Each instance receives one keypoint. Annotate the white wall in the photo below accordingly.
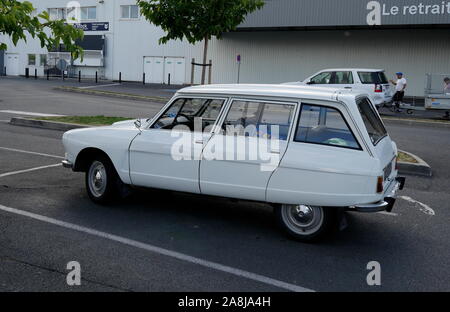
(274, 57)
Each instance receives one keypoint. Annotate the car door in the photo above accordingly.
(166, 155)
(239, 159)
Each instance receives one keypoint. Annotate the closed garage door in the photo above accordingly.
(176, 68)
(12, 64)
(154, 69)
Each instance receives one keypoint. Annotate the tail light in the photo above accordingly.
(378, 88)
(380, 181)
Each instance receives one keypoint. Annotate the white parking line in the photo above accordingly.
(161, 251)
(29, 113)
(422, 207)
(27, 170)
(28, 152)
(99, 86)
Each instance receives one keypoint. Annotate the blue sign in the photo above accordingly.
(101, 26)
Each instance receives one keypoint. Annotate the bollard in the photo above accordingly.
(35, 73)
(210, 72)
(5, 71)
(120, 77)
(96, 77)
(27, 72)
(193, 71)
(168, 81)
(143, 79)
(48, 74)
(79, 76)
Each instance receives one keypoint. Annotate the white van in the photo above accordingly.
(371, 81)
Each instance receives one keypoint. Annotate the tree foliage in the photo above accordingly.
(17, 19)
(197, 20)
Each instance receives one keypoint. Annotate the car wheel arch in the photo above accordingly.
(85, 156)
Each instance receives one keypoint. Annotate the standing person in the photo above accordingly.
(447, 85)
(400, 86)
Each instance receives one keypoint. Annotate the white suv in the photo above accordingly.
(372, 81)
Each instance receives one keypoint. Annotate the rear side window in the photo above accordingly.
(372, 121)
(342, 77)
(325, 126)
(372, 77)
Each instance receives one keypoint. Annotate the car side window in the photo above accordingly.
(343, 77)
(185, 112)
(326, 126)
(259, 119)
(322, 78)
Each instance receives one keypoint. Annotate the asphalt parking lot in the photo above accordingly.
(166, 241)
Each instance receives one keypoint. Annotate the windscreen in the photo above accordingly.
(373, 77)
(372, 121)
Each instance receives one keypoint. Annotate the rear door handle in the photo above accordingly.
(199, 141)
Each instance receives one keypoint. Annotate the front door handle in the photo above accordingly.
(199, 141)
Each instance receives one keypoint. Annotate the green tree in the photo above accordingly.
(197, 20)
(17, 19)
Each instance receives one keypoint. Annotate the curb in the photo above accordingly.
(420, 169)
(114, 94)
(43, 124)
(415, 122)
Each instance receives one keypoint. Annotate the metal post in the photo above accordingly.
(48, 74)
(79, 76)
(27, 72)
(239, 72)
(168, 81)
(5, 71)
(192, 71)
(96, 77)
(210, 71)
(120, 77)
(143, 79)
(35, 73)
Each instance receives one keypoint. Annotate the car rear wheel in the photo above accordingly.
(306, 223)
(101, 180)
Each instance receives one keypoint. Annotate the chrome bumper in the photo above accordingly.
(389, 200)
(67, 164)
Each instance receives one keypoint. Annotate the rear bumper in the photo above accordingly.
(389, 200)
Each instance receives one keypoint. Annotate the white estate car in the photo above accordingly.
(323, 151)
(370, 81)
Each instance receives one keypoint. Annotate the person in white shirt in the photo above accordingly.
(400, 87)
(447, 85)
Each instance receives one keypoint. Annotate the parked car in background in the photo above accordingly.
(372, 81)
(329, 152)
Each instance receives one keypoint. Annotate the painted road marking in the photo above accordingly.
(29, 113)
(161, 251)
(422, 207)
(392, 214)
(99, 86)
(28, 152)
(27, 170)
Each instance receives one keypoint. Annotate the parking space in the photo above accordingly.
(167, 241)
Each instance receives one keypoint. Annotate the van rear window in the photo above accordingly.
(372, 121)
(372, 77)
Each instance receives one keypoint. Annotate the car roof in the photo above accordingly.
(353, 69)
(272, 90)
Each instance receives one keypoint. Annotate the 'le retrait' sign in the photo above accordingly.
(379, 10)
(96, 26)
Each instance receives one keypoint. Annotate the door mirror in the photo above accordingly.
(138, 124)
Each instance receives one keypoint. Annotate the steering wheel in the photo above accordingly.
(189, 118)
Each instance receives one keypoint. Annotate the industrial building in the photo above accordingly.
(288, 40)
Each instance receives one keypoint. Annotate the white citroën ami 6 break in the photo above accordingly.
(310, 152)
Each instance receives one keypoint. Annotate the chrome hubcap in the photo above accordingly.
(97, 179)
(302, 219)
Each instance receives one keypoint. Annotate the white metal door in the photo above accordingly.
(176, 68)
(154, 69)
(12, 64)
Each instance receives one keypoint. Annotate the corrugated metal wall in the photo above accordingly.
(274, 57)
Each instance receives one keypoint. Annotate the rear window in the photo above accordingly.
(372, 77)
(372, 121)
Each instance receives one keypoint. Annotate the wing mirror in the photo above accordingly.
(138, 124)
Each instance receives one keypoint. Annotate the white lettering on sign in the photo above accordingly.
(377, 10)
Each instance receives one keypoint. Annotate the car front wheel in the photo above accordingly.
(306, 223)
(101, 180)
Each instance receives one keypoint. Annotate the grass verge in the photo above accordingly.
(86, 120)
(403, 157)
